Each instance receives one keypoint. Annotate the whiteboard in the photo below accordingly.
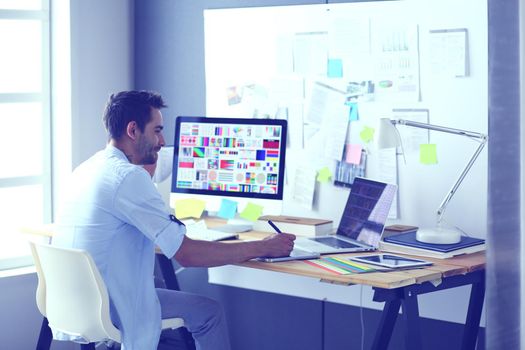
(420, 60)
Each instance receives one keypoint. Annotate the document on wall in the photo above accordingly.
(412, 137)
(326, 108)
(310, 52)
(304, 187)
(396, 56)
(387, 159)
(449, 52)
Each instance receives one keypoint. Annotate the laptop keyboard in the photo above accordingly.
(336, 243)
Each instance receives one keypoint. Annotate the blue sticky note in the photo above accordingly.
(335, 68)
(354, 115)
(228, 209)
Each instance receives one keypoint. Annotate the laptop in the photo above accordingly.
(362, 222)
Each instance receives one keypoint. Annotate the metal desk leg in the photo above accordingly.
(45, 337)
(386, 324)
(475, 306)
(411, 316)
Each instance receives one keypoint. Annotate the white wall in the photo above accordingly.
(454, 102)
(101, 62)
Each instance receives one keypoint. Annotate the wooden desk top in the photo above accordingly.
(392, 279)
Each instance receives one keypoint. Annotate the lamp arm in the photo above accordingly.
(438, 128)
(482, 140)
(448, 197)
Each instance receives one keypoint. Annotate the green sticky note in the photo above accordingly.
(324, 175)
(251, 212)
(189, 208)
(228, 209)
(335, 68)
(428, 153)
(367, 134)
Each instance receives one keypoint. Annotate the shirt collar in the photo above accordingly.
(114, 151)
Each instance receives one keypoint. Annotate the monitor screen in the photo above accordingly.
(232, 157)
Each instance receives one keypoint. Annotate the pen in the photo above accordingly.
(274, 227)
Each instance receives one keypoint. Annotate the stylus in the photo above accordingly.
(274, 227)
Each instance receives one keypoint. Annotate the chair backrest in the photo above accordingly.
(72, 294)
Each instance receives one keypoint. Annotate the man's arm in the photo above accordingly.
(195, 253)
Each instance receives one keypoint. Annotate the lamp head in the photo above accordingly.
(388, 134)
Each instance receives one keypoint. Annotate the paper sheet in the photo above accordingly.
(304, 187)
(387, 160)
(228, 209)
(353, 153)
(449, 52)
(189, 208)
(412, 137)
(252, 212)
(428, 154)
(310, 52)
(327, 108)
(324, 175)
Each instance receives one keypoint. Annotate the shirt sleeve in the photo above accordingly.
(138, 203)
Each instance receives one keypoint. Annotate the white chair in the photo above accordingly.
(73, 297)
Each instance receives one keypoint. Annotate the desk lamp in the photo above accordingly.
(389, 137)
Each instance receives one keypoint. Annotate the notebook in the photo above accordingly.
(362, 222)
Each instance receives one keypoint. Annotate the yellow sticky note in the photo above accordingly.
(428, 153)
(324, 175)
(251, 212)
(189, 208)
(367, 134)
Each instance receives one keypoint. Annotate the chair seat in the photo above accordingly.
(172, 323)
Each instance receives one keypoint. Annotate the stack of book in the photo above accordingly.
(402, 239)
(306, 227)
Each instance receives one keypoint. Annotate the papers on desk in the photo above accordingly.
(340, 266)
(198, 230)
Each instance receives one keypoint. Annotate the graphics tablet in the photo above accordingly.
(295, 254)
(391, 261)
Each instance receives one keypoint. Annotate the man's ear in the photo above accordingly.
(132, 129)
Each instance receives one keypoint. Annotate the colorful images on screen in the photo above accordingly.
(232, 158)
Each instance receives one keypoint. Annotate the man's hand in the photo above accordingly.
(278, 244)
(197, 253)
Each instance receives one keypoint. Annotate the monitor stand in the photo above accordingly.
(236, 225)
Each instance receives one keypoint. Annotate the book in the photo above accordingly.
(406, 243)
(392, 230)
(300, 226)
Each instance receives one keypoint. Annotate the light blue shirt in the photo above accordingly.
(114, 211)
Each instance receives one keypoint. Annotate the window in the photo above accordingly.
(25, 151)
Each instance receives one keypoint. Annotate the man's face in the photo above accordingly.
(151, 140)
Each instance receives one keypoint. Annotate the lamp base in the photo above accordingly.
(438, 235)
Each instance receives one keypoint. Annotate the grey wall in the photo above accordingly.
(101, 63)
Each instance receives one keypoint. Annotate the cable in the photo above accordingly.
(456, 227)
(362, 319)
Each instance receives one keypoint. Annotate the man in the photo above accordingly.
(114, 211)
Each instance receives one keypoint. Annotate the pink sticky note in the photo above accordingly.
(353, 153)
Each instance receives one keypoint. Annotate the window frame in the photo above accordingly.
(44, 98)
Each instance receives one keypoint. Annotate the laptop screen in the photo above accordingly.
(366, 210)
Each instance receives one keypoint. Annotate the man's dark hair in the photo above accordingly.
(127, 106)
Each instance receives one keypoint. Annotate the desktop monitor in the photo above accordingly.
(233, 158)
